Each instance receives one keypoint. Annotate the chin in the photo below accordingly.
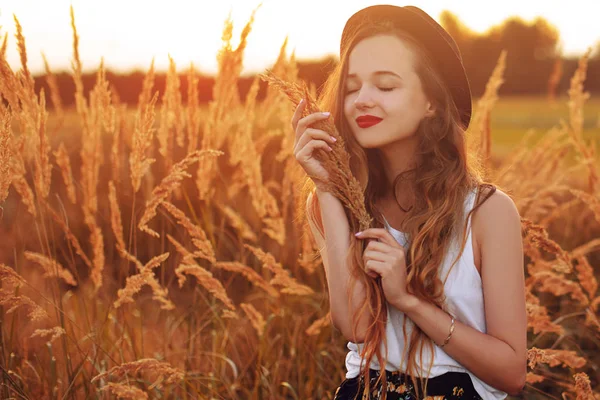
(370, 145)
(371, 141)
(393, 141)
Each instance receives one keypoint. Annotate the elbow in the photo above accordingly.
(516, 388)
(516, 384)
(358, 338)
(345, 328)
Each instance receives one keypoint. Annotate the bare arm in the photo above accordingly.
(498, 357)
(335, 247)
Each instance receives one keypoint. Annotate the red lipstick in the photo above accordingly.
(366, 121)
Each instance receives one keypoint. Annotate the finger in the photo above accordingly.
(385, 259)
(373, 255)
(378, 233)
(369, 271)
(306, 152)
(309, 119)
(374, 267)
(373, 275)
(378, 246)
(312, 133)
(298, 113)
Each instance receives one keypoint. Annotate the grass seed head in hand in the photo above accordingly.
(342, 182)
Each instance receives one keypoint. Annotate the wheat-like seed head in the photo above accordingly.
(11, 301)
(27, 80)
(24, 190)
(64, 163)
(319, 324)
(553, 358)
(236, 220)
(193, 110)
(205, 278)
(43, 168)
(532, 378)
(227, 313)
(6, 153)
(54, 88)
(9, 276)
(151, 366)
(169, 183)
(282, 276)
(586, 277)
(52, 268)
(145, 276)
(480, 126)
(142, 140)
(124, 391)
(256, 318)
(76, 66)
(54, 333)
(583, 387)
(342, 182)
(70, 236)
(558, 285)
(97, 242)
(250, 274)
(539, 321)
(4, 46)
(205, 248)
(116, 222)
(170, 116)
(147, 86)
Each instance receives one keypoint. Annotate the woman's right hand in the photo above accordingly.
(308, 140)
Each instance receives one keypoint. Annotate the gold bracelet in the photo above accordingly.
(450, 334)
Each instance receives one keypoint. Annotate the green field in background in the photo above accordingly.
(513, 117)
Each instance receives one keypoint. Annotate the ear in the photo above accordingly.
(430, 109)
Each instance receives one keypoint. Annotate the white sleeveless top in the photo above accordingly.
(464, 296)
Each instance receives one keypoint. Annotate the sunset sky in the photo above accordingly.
(128, 33)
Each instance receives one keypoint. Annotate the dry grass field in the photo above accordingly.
(163, 252)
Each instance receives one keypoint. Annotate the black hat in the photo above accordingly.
(437, 42)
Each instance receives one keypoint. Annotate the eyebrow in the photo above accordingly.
(378, 73)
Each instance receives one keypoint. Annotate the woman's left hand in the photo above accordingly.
(385, 257)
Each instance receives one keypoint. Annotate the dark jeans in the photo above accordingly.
(448, 386)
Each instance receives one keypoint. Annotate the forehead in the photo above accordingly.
(380, 52)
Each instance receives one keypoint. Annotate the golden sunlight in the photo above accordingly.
(128, 34)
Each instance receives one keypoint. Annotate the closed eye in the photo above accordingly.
(348, 91)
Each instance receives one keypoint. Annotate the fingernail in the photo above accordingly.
(334, 139)
(357, 233)
(326, 113)
(301, 102)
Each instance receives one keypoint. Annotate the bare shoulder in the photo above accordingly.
(496, 219)
(498, 209)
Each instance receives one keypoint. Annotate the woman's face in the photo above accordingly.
(382, 83)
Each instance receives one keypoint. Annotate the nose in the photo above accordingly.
(364, 99)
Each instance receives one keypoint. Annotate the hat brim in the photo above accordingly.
(439, 45)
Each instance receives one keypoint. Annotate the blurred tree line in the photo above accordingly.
(535, 64)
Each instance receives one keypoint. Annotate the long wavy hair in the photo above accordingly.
(443, 176)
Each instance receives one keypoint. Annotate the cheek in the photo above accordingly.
(395, 104)
(406, 102)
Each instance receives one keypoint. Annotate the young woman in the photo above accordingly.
(446, 251)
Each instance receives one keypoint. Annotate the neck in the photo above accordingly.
(398, 157)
